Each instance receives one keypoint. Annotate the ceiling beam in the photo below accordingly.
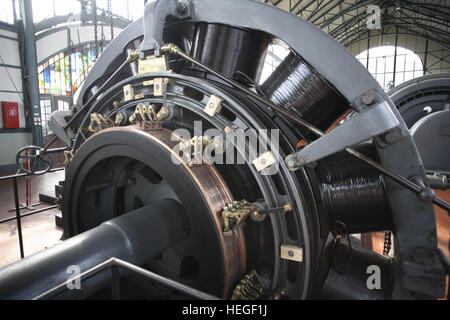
(321, 8)
(413, 22)
(357, 20)
(319, 5)
(305, 7)
(349, 9)
(405, 33)
(355, 34)
(352, 21)
(296, 5)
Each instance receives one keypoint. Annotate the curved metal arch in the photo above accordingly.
(355, 40)
(431, 6)
(432, 16)
(324, 13)
(58, 20)
(341, 69)
(389, 23)
(386, 21)
(354, 37)
(106, 42)
(387, 5)
(356, 6)
(62, 28)
(320, 6)
(305, 7)
(428, 14)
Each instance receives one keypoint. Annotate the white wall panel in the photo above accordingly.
(8, 33)
(10, 51)
(5, 82)
(10, 143)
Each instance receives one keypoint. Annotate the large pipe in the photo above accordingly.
(134, 237)
(357, 273)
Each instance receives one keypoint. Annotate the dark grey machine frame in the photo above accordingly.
(416, 260)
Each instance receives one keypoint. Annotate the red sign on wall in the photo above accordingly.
(10, 111)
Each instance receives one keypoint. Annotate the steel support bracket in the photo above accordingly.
(58, 123)
(155, 17)
(362, 126)
(427, 279)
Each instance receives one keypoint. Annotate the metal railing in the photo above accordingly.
(115, 265)
(18, 217)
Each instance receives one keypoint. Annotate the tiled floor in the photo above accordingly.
(39, 231)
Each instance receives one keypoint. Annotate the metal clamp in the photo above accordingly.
(143, 113)
(195, 147)
(235, 213)
(251, 287)
(100, 122)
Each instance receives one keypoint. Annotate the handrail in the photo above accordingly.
(115, 264)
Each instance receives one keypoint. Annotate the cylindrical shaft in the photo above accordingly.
(134, 237)
(357, 274)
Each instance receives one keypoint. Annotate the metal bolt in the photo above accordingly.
(391, 137)
(211, 105)
(263, 161)
(181, 9)
(291, 253)
(291, 163)
(427, 194)
(367, 99)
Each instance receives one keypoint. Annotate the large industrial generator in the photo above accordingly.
(188, 176)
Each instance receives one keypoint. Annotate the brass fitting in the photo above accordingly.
(164, 113)
(170, 48)
(133, 55)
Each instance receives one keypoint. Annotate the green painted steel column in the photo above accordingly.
(31, 73)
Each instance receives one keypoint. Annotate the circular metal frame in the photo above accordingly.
(300, 286)
(421, 96)
(23, 155)
(331, 61)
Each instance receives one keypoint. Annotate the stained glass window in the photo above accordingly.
(55, 74)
